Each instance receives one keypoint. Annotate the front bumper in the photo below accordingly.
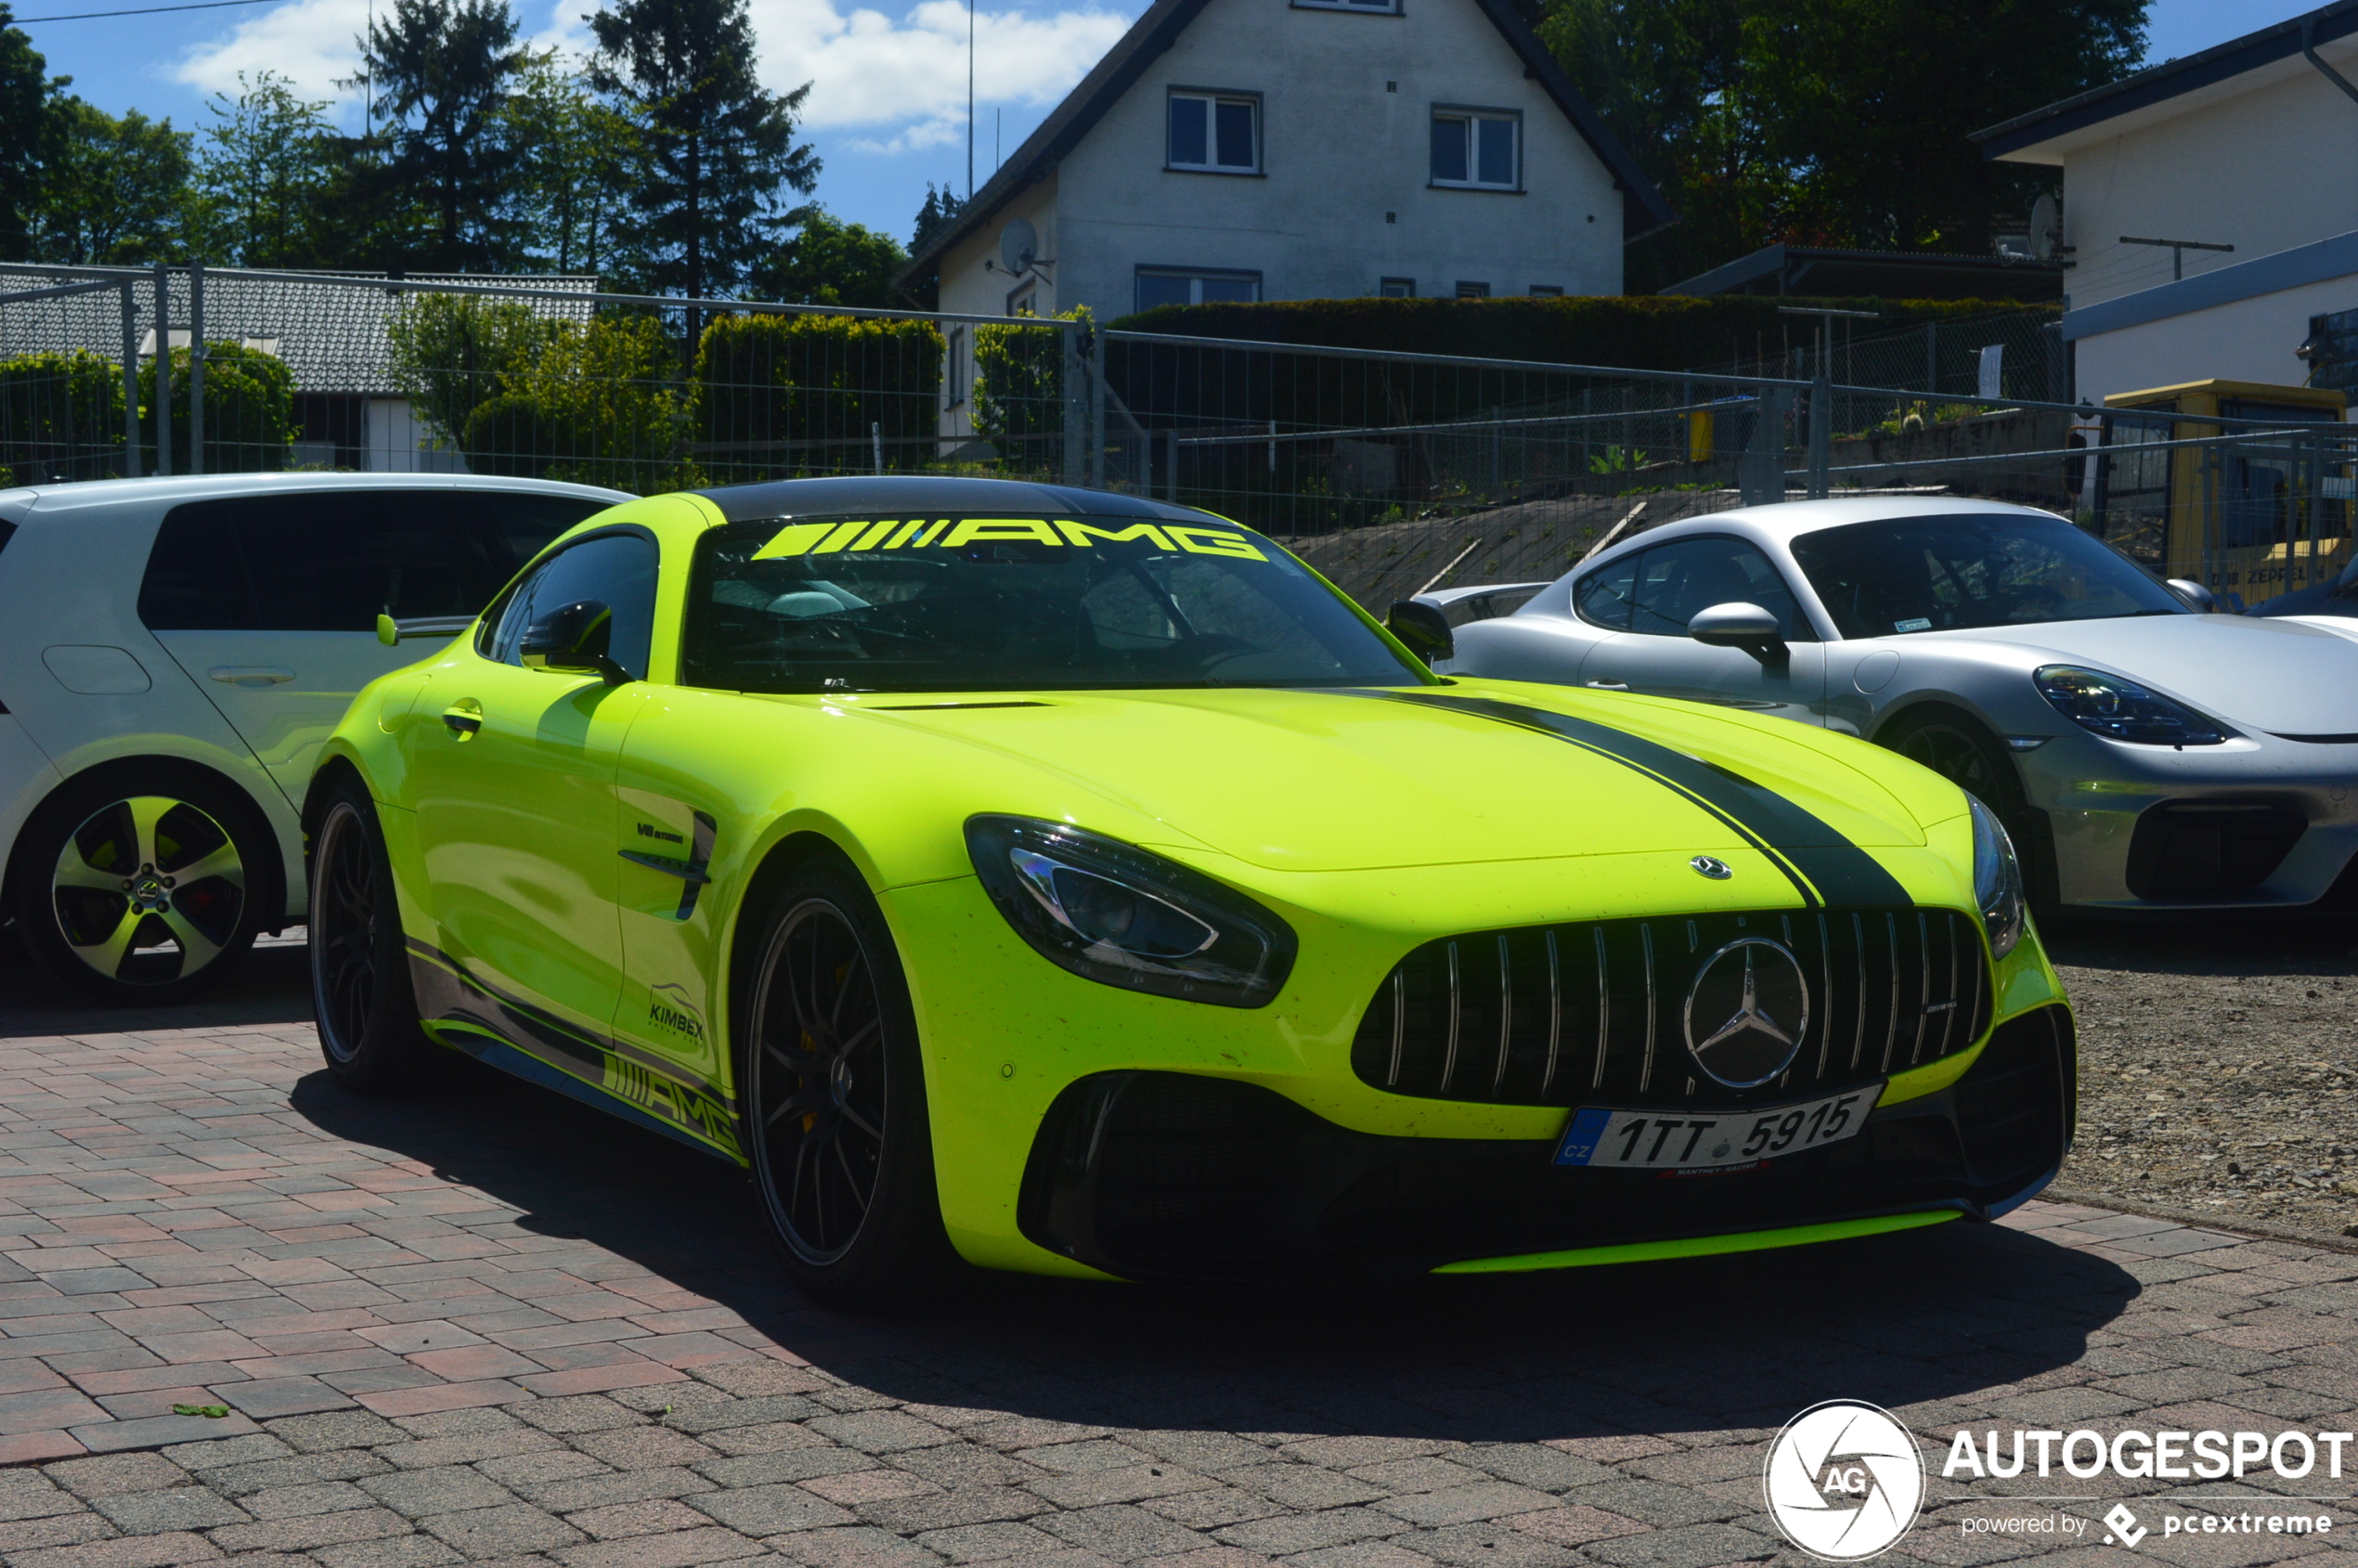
(1149, 1174)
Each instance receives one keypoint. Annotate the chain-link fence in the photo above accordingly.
(1393, 472)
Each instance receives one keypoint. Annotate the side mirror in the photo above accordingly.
(388, 631)
(1737, 625)
(1422, 629)
(2196, 594)
(573, 639)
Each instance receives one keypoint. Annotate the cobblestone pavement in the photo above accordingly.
(489, 1326)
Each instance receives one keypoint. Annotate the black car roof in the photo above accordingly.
(908, 494)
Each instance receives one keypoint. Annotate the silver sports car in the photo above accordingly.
(2142, 755)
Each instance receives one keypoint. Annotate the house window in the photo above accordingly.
(1472, 290)
(1024, 300)
(1215, 133)
(956, 377)
(1195, 285)
(1477, 149)
(1547, 291)
(1397, 288)
(1373, 8)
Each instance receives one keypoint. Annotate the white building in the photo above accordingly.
(2253, 145)
(1273, 150)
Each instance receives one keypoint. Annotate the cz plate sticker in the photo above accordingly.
(1651, 1140)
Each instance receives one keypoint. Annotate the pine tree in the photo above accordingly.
(716, 149)
(438, 73)
(941, 209)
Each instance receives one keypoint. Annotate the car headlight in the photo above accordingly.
(2120, 709)
(1115, 914)
(1997, 880)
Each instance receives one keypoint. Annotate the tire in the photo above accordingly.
(145, 886)
(832, 1100)
(360, 990)
(1958, 747)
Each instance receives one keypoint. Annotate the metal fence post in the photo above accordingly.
(130, 381)
(1822, 419)
(163, 372)
(1076, 411)
(196, 367)
(1931, 357)
(1760, 469)
(1096, 363)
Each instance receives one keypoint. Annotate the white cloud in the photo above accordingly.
(903, 81)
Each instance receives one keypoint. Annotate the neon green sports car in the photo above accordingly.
(1070, 883)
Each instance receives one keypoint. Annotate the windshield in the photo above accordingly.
(1941, 573)
(997, 604)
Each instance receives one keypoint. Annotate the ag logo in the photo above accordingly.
(1844, 1481)
(1747, 1011)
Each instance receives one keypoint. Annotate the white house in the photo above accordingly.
(2248, 145)
(1273, 150)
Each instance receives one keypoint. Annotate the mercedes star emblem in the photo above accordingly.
(1746, 1012)
(1710, 866)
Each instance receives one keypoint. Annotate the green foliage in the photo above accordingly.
(266, 168)
(62, 416)
(576, 154)
(1617, 460)
(941, 210)
(437, 73)
(451, 353)
(831, 262)
(809, 393)
(249, 410)
(117, 191)
(592, 403)
(716, 148)
(32, 122)
(1019, 380)
(1652, 332)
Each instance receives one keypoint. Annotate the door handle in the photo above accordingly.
(463, 718)
(249, 674)
(1610, 685)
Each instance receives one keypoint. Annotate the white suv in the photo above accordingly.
(172, 651)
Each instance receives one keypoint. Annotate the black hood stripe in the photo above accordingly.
(1823, 866)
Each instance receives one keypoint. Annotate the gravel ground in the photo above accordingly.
(2219, 1068)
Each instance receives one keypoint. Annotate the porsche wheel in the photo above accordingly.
(142, 891)
(833, 1100)
(1956, 747)
(360, 988)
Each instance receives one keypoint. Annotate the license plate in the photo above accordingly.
(1652, 1140)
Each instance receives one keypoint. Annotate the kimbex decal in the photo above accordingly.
(957, 533)
(1845, 1481)
(669, 1008)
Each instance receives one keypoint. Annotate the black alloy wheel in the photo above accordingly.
(832, 1097)
(1955, 745)
(360, 988)
(1956, 756)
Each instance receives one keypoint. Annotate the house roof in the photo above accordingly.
(1643, 209)
(1831, 273)
(332, 335)
(2171, 79)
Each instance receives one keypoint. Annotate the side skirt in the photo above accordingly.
(471, 1016)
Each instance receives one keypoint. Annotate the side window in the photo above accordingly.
(326, 561)
(618, 570)
(1602, 597)
(522, 524)
(1679, 579)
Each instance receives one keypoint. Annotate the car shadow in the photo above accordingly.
(272, 987)
(2206, 943)
(1739, 1342)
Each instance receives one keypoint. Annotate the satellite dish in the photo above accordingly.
(2046, 227)
(1019, 244)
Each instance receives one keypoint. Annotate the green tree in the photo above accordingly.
(941, 210)
(452, 353)
(594, 404)
(32, 126)
(118, 190)
(266, 168)
(831, 262)
(576, 154)
(716, 149)
(437, 72)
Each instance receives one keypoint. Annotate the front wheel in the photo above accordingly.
(833, 1097)
(1957, 747)
(360, 990)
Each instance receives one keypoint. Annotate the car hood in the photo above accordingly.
(1474, 771)
(2276, 676)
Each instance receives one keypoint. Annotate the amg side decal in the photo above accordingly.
(1822, 865)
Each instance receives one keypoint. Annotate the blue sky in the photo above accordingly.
(888, 111)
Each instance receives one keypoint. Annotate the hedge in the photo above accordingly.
(249, 410)
(1637, 332)
(61, 417)
(813, 392)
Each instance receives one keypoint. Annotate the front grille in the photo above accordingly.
(2207, 848)
(1595, 1012)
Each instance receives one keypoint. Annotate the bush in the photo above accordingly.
(249, 410)
(593, 405)
(1020, 381)
(450, 352)
(811, 393)
(61, 417)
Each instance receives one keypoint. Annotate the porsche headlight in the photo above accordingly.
(2120, 709)
(1115, 914)
(1997, 880)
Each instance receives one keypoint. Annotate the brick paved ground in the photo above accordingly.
(489, 1326)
